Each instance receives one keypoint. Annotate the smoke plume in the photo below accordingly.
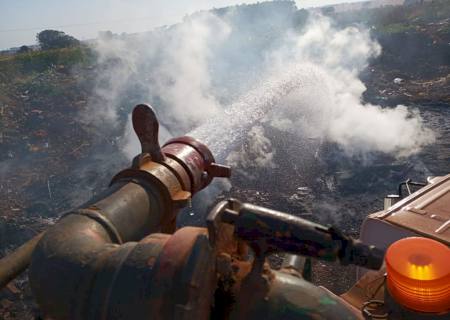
(305, 83)
(256, 152)
(333, 108)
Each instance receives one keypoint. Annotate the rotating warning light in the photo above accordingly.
(418, 274)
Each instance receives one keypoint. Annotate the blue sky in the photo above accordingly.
(20, 20)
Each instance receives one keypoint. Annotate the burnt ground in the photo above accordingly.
(46, 152)
(49, 162)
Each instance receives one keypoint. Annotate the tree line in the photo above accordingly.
(52, 39)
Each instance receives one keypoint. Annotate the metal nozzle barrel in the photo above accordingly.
(268, 231)
(77, 260)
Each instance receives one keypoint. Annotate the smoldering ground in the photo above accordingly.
(231, 77)
(307, 82)
(264, 86)
(274, 94)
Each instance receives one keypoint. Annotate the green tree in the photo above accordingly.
(53, 39)
(24, 49)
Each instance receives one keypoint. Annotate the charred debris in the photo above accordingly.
(47, 152)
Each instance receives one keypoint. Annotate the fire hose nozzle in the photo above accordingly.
(89, 265)
(188, 159)
(219, 170)
(268, 231)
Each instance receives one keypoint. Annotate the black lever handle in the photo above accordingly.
(146, 126)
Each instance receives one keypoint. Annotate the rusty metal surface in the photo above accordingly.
(88, 266)
(249, 289)
(191, 160)
(210, 169)
(162, 276)
(268, 231)
(184, 280)
(198, 146)
(146, 126)
(286, 296)
(18, 261)
(426, 212)
(369, 287)
(371, 295)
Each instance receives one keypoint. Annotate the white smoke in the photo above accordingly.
(256, 152)
(308, 85)
(333, 108)
(185, 65)
(116, 65)
(169, 65)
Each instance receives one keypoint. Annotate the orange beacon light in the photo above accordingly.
(418, 274)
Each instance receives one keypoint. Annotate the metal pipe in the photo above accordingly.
(272, 231)
(17, 262)
(88, 264)
(294, 261)
(68, 259)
